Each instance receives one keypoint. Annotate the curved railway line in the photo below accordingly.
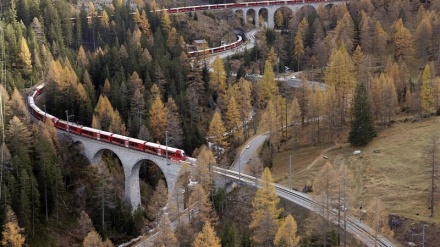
(353, 226)
(359, 230)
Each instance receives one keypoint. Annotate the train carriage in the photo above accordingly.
(119, 140)
(61, 124)
(105, 136)
(75, 128)
(136, 144)
(90, 132)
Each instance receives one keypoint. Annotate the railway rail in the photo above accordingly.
(354, 226)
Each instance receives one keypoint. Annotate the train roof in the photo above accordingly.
(171, 149)
(90, 129)
(120, 137)
(136, 140)
(101, 132)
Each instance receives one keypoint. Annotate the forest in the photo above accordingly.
(126, 71)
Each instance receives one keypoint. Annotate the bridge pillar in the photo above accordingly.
(244, 17)
(257, 21)
(132, 188)
(270, 17)
(131, 172)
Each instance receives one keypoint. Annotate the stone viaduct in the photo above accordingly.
(271, 9)
(131, 161)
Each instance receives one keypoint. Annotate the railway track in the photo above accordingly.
(354, 226)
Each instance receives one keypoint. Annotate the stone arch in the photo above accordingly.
(240, 14)
(170, 173)
(263, 16)
(251, 17)
(307, 10)
(136, 176)
(287, 14)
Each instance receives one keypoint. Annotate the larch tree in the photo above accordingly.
(175, 131)
(344, 32)
(158, 120)
(362, 125)
(244, 100)
(294, 118)
(82, 57)
(202, 171)
(165, 22)
(380, 38)
(302, 28)
(393, 70)
(344, 197)
(403, 41)
(25, 56)
(233, 122)
(13, 234)
(85, 224)
(117, 125)
(266, 87)
(287, 233)
(195, 93)
(299, 48)
(366, 33)
(426, 96)
(15, 106)
(340, 74)
(360, 68)
(279, 19)
(423, 38)
(144, 25)
(90, 88)
(105, 20)
(138, 111)
(314, 110)
(217, 133)
(93, 239)
(272, 56)
(388, 99)
(217, 81)
(172, 38)
(206, 213)
(158, 200)
(107, 118)
(207, 237)
(166, 236)
(269, 121)
(377, 219)
(324, 190)
(265, 210)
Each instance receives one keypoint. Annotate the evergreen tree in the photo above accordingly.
(362, 125)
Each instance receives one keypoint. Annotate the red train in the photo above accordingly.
(103, 136)
(238, 5)
(218, 49)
